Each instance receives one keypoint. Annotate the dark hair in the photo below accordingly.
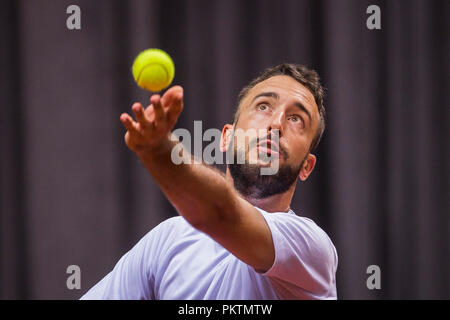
(307, 77)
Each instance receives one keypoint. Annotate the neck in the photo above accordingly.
(276, 203)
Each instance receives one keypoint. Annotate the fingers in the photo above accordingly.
(139, 113)
(128, 122)
(155, 100)
(175, 108)
(162, 109)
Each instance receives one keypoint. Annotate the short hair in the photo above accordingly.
(307, 77)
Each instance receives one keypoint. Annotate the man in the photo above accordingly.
(236, 236)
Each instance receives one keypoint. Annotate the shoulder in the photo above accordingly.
(291, 224)
(169, 226)
(160, 238)
(177, 221)
(307, 227)
(304, 237)
(305, 258)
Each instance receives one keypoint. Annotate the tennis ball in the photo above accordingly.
(153, 70)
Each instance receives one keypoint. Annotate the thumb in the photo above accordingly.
(170, 95)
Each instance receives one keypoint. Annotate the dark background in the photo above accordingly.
(72, 193)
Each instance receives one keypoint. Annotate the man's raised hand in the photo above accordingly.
(153, 126)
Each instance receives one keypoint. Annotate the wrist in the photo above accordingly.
(160, 150)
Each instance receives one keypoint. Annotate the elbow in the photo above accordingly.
(211, 214)
(209, 219)
(198, 224)
(205, 219)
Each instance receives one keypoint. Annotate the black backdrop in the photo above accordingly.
(72, 193)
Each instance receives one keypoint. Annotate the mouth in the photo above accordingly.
(268, 147)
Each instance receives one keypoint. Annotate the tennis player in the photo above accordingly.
(236, 236)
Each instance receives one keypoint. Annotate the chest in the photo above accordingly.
(199, 268)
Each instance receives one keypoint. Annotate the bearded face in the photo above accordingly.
(279, 103)
(248, 178)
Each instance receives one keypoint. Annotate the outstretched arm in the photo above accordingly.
(198, 192)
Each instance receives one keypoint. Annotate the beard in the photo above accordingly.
(249, 181)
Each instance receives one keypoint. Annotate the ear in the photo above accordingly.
(308, 167)
(227, 133)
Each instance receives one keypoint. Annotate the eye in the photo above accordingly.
(296, 119)
(262, 107)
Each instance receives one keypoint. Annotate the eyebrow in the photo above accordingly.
(267, 94)
(276, 96)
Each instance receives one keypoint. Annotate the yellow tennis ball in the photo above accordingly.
(153, 70)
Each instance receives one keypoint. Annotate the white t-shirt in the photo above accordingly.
(177, 262)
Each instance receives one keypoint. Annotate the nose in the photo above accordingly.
(277, 121)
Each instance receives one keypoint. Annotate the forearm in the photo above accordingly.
(199, 192)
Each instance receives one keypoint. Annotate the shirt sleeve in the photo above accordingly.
(305, 258)
(133, 276)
